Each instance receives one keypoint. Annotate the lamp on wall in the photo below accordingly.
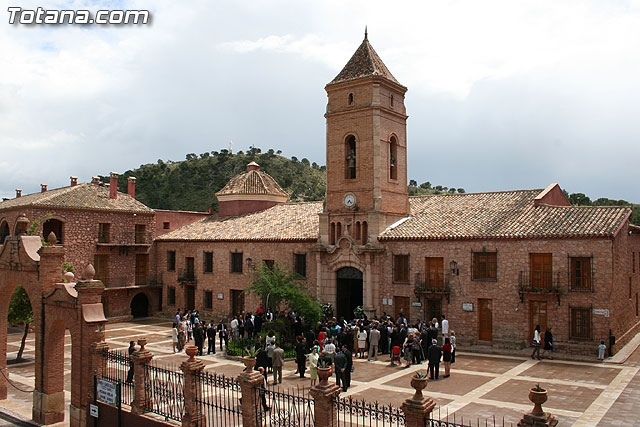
(249, 262)
(453, 266)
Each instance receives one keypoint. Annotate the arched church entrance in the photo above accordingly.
(348, 292)
(140, 306)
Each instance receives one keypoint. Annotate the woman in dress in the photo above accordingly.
(356, 347)
(446, 356)
(362, 341)
(536, 343)
(548, 343)
(313, 365)
(406, 349)
(174, 336)
(181, 336)
(270, 342)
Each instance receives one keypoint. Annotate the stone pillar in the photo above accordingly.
(48, 397)
(141, 359)
(98, 362)
(418, 408)
(368, 288)
(250, 381)
(323, 396)
(193, 415)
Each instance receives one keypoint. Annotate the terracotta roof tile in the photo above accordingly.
(81, 196)
(365, 62)
(507, 214)
(283, 222)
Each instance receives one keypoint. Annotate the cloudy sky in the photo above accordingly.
(502, 94)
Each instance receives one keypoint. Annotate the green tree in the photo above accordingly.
(275, 286)
(20, 313)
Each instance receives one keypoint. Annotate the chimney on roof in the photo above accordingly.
(95, 180)
(43, 188)
(74, 180)
(253, 166)
(18, 192)
(131, 189)
(113, 186)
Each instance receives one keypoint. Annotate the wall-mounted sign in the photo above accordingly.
(220, 296)
(416, 304)
(467, 306)
(601, 311)
(93, 410)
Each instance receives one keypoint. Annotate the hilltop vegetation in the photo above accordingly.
(191, 184)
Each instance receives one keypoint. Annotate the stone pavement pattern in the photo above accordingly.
(480, 387)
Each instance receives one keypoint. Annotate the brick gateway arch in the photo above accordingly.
(56, 308)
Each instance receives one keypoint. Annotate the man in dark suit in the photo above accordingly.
(223, 334)
(434, 355)
(340, 361)
(132, 349)
(211, 338)
(347, 372)
(198, 337)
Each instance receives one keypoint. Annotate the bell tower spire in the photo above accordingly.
(366, 150)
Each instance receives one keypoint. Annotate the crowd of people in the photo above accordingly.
(332, 342)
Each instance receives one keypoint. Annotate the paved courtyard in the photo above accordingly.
(480, 387)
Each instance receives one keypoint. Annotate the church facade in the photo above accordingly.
(496, 264)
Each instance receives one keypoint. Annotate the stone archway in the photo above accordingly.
(140, 305)
(349, 291)
(56, 307)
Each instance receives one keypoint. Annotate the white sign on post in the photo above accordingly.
(106, 391)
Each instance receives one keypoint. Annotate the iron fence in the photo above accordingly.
(116, 369)
(438, 419)
(285, 409)
(351, 413)
(220, 399)
(164, 392)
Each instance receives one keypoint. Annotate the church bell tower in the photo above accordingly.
(366, 151)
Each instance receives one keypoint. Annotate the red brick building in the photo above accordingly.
(95, 223)
(496, 264)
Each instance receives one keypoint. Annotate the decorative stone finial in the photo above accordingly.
(89, 272)
(365, 33)
(69, 277)
(52, 239)
(142, 342)
(192, 350)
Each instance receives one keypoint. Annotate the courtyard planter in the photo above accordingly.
(249, 362)
(537, 396)
(419, 383)
(324, 374)
(191, 351)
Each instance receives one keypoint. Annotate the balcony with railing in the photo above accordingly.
(131, 280)
(124, 238)
(541, 283)
(187, 276)
(433, 285)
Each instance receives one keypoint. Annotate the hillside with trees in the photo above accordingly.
(191, 184)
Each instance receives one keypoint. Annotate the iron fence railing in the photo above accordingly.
(220, 399)
(117, 368)
(351, 413)
(292, 408)
(164, 391)
(539, 280)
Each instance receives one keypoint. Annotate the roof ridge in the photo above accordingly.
(477, 192)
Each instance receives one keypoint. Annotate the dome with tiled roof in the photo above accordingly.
(250, 191)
